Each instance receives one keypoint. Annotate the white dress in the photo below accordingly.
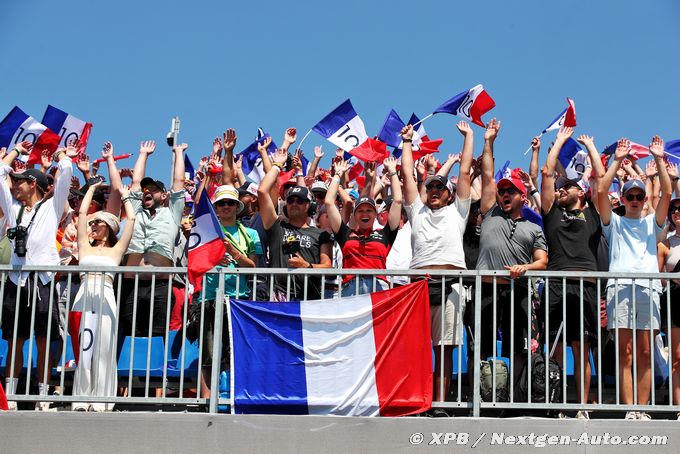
(96, 373)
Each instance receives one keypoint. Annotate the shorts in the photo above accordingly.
(591, 310)
(621, 315)
(675, 310)
(43, 315)
(503, 313)
(160, 307)
(453, 310)
(366, 285)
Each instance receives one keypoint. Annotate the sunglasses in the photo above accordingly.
(229, 203)
(438, 187)
(296, 201)
(95, 221)
(511, 191)
(674, 209)
(638, 197)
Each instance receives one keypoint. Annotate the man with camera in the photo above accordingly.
(33, 222)
(159, 217)
(292, 242)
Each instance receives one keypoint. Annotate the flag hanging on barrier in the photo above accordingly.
(365, 355)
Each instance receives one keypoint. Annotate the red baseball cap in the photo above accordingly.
(514, 182)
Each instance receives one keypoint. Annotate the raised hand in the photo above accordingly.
(586, 140)
(650, 169)
(340, 167)
(407, 132)
(180, 148)
(24, 147)
(318, 152)
(107, 150)
(564, 133)
(339, 153)
(526, 179)
(124, 191)
(290, 136)
(73, 149)
(464, 128)
(125, 173)
(657, 147)
(672, 169)
(390, 164)
(75, 182)
(536, 143)
(45, 159)
(279, 157)
(454, 158)
(217, 145)
(229, 140)
(262, 147)
(492, 129)
(84, 163)
(431, 161)
(622, 148)
(369, 169)
(19, 166)
(297, 163)
(147, 147)
(420, 167)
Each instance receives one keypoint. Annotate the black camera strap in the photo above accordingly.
(35, 212)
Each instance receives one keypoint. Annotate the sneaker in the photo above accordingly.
(12, 406)
(562, 415)
(678, 416)
(631, 415)
(43, 406)
(79, 406)
(642, 416)
(582, 415)
(439, 413)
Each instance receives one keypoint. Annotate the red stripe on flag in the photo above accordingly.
(483, 103)
(403, 349)
(570, 115)
(84, 137)
(47, 141)
(3, 399)
(202, 259)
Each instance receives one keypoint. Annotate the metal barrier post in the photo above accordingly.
(217, 346)
(477, 345)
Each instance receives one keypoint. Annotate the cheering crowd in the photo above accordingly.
(399, 214)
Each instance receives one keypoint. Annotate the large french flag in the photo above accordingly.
(206, 242)
(566, 118)
(470, 104)
(252, 162)
(68, 127)
(637, 151)
(573, 159)
(343, 127)
(366, 355)
(18, 126)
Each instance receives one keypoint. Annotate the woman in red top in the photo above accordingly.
(364, 247)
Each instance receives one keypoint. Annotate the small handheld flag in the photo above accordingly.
(470, 104)
(68, 127)
(342, 127)
(18, 126)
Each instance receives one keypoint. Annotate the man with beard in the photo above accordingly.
(292, 242)
(437, 240)
(507, 242)
(573, 232)
(159, 218)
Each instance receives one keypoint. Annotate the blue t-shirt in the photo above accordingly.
(212, 280)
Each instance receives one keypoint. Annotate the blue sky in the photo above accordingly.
(128, 67)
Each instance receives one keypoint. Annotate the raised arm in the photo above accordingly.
(289, 138)
(369, 172)
(23, 148)
(410, 185)
(604, 207)
(318, 154)
(548, 171)
(228, 142)
(464, 178)
(533, 164)
(445, 169)
(113, 203)
(83, 240)
(394, 216)
(264, 198)
(178, 173)
(657, 150)
(146, 149)
(334, 217)
(489, 191)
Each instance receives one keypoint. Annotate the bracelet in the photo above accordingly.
(125, 199)
(277, 167)
(407, 140)
(391, 174)
(336, 179)
(132, 219)
(310, 266)
(675, 178)
(534, 191)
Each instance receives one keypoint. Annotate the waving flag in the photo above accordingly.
(68, 127)
(355, 168)
(566, 118)
(504, 172)
(206, 242)
(18, 126)
(427, 147)
(343, 127)
(252, 162)
(366, 355)
(189, 172)
(573, 159)
(673, 151)
(470, 104)
(419, 130)
(370, 151)
(637, 151)
(390, 133)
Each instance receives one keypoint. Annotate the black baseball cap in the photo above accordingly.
(158, 183)
(365, 201)
(298, 191)
(31, 175)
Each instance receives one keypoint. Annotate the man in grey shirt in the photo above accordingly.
(507, 242)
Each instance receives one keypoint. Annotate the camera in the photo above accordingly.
(174, 132)
(19, 234)
(291, 245)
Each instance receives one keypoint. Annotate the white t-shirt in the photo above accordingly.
(632, 247)
(399, 257)
(437, 235)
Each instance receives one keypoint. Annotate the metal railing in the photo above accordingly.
(173, 375)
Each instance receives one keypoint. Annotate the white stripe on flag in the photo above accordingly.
(350, 135)
(72, 129)
(340, 374)
(29, 130)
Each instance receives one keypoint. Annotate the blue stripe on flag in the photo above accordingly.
(265, 370)
(568, 151)
(54, 118)
(673, 147)
(390, 133)
(335, 120)
(9, 126)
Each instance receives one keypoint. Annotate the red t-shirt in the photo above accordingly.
(365, 251)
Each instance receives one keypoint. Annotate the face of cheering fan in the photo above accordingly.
(364, 216)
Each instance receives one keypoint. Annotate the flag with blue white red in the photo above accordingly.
(18, 127)
(206, 242)
(252, 162)
(365, 355)
(68, 127)
(470, 104)
(573, 159)
(342, 127)
(566, 118)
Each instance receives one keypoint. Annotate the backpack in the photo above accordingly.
(486, 380)
(538, 381)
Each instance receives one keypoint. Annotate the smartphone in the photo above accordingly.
(95, 180)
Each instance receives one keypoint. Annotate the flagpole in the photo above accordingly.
(671, 154)
(532, 146)
(303, 139)
(418, 122)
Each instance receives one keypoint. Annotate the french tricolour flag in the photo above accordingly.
(206, 242)
(566, 118)
(366, 355)
(68, 127)
(637, 151)
(343, 127)
(470, 104)
(573, 159)
(18, 126)
(252, 162)
(673, 151)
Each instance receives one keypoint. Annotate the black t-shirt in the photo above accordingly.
(283, 236)
(471, 246)
(573, 238)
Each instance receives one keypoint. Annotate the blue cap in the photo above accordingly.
(633, 184)
(354, 194)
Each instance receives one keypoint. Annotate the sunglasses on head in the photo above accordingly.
(229, 203)
(508, 190)
(436, 186)
(638, 197)
(296, 200)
